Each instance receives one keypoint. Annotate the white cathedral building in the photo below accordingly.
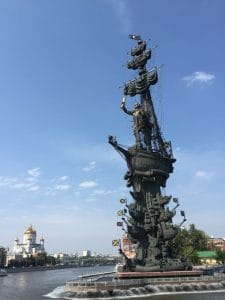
(29, 245)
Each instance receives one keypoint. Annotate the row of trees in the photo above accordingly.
(189, 241)
(41, 259)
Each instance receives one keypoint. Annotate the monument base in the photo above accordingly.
(139, 283)
(158, 274)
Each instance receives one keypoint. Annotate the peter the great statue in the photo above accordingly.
(147, 220)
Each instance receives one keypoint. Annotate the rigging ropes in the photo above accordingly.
(157, 92)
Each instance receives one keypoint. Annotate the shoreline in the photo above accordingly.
(47, 268)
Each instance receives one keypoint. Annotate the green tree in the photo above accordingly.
(220, 255)
(187, 243)
(50, 260)
(40, 259)
(198, 238)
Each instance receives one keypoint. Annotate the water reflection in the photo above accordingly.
(34, 285)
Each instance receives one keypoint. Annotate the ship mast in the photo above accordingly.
(152, 136)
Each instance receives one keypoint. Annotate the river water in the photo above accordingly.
(44, 285)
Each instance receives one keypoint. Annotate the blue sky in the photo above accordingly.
(60, 77)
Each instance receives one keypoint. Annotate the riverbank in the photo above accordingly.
(47, 268)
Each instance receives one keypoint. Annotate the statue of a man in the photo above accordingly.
(140, 123)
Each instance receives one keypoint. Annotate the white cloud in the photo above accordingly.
(62, 187)
(204, 174)
(35, 172)
(90, 166)
(103, 192)
(199, 77)
(89, 200)
(88, 184)
(15, 183)
(19, 185)
(123, 14)
(7, 181)
(98, 192)
(33, 188)
(31, 179)
(59, 179)
(63, 178)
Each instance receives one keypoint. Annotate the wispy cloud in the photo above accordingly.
(15, 183)
(123, 14)
(204, 175)
(88, 184)
(199, 77)
(19, 185)
(91, 166)
(32, 179)
(103, 192)
(62, 187)
(35, 172)
(33, 188)
(33, 184)
(63, 178)
(7, 181)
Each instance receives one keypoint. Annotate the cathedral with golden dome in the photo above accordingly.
(29, 245)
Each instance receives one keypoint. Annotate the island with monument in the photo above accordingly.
(147, 220)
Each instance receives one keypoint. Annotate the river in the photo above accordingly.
(44, 285)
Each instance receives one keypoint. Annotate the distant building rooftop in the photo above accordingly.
(206, 254)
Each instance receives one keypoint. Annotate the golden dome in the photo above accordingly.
(30, 230)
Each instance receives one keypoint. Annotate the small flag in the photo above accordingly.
(119, 224)
(120, 213)
(115, 243)
(135, 37)
(175, 200)
(182, 213)
(123, 200)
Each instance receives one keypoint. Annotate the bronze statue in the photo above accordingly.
(148, 222)
(141, 124)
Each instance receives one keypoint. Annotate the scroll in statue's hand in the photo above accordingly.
(123, 102)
